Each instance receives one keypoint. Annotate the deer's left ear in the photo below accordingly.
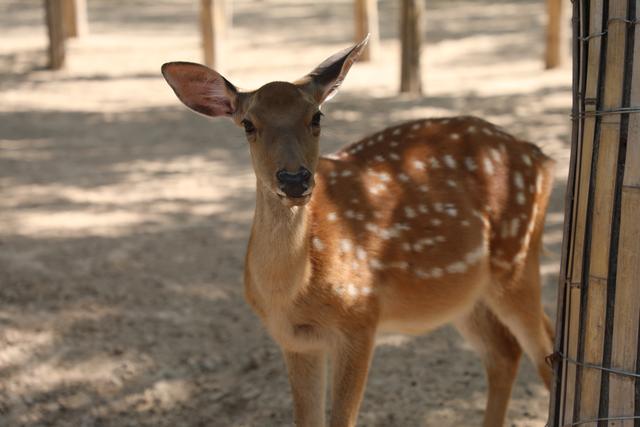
(323, 82)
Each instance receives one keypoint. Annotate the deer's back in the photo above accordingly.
(423, 215)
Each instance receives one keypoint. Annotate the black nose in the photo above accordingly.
(293, 184)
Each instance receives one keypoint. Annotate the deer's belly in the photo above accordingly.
(416, 307)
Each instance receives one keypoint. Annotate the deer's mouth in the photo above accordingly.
(290, 201)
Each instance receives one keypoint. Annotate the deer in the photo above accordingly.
(430, 222)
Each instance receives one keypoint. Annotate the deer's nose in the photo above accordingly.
(293, 184)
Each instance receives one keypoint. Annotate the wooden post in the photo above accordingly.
(411, 30)
(599, 303)
(55, 26)
(75, 18)
(552, 54)
(212, 21)
(366, 22)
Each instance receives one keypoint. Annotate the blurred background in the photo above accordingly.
(124, 217)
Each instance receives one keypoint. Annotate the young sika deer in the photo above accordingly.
(428, 222)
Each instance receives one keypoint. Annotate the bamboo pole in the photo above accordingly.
(581, 191)
(55, 28)
(75, 18)
(366, 22)
(552, 54)
(600, 298)
(624, 354)
(602, 219)
(411, 30)
(212, 25)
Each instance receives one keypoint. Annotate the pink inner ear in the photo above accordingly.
(199, 88)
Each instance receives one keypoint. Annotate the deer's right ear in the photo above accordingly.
(201, 89)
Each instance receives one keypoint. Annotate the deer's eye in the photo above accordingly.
(315, 120)
(248, 126)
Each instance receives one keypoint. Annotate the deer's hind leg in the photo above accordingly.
(518, 305)
(500, 353)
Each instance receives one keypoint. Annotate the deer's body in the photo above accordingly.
(429, 222)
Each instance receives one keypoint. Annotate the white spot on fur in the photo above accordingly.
(440, 239)
(454, 136)
(379, 158)
(403, 265)
(415, 126)
(376, 189)
(423, 188)
(450, 161)
(361, 254)
(409, 212)
(457, 267)
(439, 207)
(526, 159)
(520, 198)
(452, 211)
(471, 129)
(396, 131)
(384, 177)
(332, 216)
(495, 154)
(464, 223)
(470, 164)
(538, 183)
(403, 177)
(515, 226)
(393, 143)
(436, 272)
(350, 214)
(501, 263)
(345, 245)
(406, 246)
(317, 244)
(419, 165)
(376, 264)
(488, 166)
(394, 156)
(352, 291)
(400, 226)
(346, 172)
(436, 222)
(423, 209)
(434, 163)
(451, 183)
(380, 137)
(421, 273)
(333, 174)
(518, 180)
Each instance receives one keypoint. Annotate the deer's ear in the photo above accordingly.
(201, 89)
(326, 78)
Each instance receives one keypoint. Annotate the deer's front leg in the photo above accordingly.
(307, 376)
(351, 359)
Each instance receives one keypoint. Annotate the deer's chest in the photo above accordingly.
(292, 323)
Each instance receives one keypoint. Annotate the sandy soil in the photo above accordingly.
(124, 217)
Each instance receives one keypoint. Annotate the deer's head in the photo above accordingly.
(281, 120)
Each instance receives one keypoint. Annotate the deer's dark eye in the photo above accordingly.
(248, 126)
(315, 120)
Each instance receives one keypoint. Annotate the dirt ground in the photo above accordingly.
(124, 217)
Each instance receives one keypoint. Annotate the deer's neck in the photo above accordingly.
(278, 253)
